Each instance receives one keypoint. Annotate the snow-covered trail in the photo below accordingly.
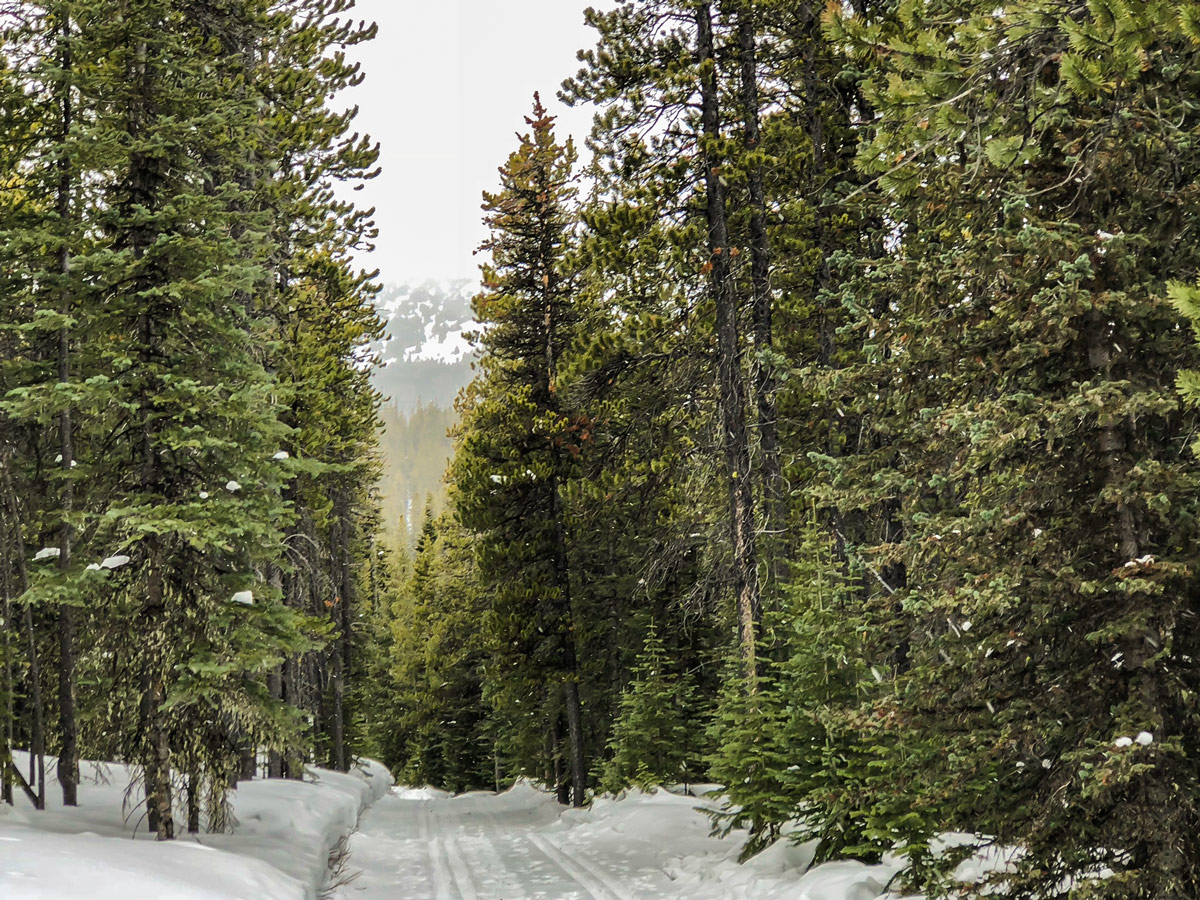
(521, 845)
(424, 845)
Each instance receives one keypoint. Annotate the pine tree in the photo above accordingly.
(1021, 356)
(654, 59)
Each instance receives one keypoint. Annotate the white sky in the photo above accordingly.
(448, 84)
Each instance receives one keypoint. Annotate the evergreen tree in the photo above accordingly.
(171, 186)
(516, 451)
(1021, 356)
(654, 736)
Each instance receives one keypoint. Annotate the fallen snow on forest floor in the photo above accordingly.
(423, 844)
(279, 849)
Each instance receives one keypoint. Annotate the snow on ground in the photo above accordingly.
(423, 844)
(101, 850)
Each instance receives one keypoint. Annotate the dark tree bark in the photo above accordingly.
(37, 758)
(6, 766)
(193, 803)
(765, 383)
(338, 721)
(731, 388)
(247, 761)
(68, 761)
(347, 597)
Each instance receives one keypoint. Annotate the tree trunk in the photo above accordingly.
(193, 803)
(293, 764)
(338, 723)
(765, 383)
(346, 587)
(158, 747)
(68, 760)
(275, 685)
(732, 393)
(247, 761)
(275, 689)
(6, 784)
(575, 734)
(37, 758)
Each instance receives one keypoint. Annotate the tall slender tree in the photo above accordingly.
(514, 457)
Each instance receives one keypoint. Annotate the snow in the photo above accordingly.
(453, 347)
(282, 455)
(204, 495)
(114, 562)
(233, 487)
(246, 598)
(1145, 739)
(423, 844)
(279, 849)
(47, 553)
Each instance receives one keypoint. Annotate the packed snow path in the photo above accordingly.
(426, 845)
(423, 845)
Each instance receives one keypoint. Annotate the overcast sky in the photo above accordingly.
(448, 84)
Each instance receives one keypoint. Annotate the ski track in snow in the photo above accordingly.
(593, 880)
(473, 847)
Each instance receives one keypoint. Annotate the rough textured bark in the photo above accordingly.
(68, 761)
(731, 389)
(765, 383)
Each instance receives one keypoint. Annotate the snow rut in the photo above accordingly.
(442, 879)
(592, 878)
(596, 883)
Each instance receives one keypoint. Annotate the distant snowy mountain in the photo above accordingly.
(428, 321)
(425, 352)
(427, 361)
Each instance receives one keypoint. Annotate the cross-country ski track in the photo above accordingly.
(423, 844)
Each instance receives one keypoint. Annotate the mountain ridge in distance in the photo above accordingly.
(426, 358)
(426, 361)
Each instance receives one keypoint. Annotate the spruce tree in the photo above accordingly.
(656, 739)
(515, 455)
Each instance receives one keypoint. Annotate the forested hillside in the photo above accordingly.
(414, 450)
(187, 429)
(826, 442)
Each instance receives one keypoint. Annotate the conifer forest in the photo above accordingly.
(833, 433)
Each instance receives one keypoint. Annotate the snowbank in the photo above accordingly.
(668, 832)
(284, 833)
(671, 833)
